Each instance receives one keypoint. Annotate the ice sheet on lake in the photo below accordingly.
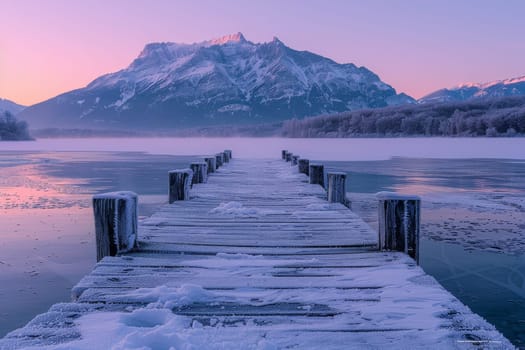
(477, 221)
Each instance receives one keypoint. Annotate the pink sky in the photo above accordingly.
(53, 46)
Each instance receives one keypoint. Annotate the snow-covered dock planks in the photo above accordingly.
(258, 259)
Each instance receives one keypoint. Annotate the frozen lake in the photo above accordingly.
(473, 207)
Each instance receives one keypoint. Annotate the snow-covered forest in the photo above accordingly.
(12, 129)
(490, 117)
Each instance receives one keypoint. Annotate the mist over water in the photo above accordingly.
(322, 149)
(473, 209)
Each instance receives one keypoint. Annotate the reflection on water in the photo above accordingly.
(47, 236)
(480, 175)
(473, 219)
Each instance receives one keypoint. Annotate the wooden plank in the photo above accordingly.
(273, 261)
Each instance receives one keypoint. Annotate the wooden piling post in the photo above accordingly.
(303, 166)
(212, 164)
(200, 172)
(283, 154)
(337, 188)
(294, 160)
(288, 156)
(115, 222)
(180, 181)
(219, 157)
(229, 152)
(316, 173)
(399, 217)
(225, 157)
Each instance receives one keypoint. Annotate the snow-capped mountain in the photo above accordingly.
(228, 80)
(467, 91)
(10, 106)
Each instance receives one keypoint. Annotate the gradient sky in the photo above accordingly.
(417, 46)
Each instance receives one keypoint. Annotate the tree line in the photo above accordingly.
(12, 129)
(488, 117)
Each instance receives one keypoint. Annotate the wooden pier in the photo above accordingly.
(273, 263)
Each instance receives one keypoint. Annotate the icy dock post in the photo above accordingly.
(399, 223)
(226, 156)
(283, 154)
(200, 172)
(295, 159)
(212, 164)
(337, 188)
(219, 158)
(316, 173)
(179, 184)
(303, 165)
(288, 156)
(115, 222)
(230, 153)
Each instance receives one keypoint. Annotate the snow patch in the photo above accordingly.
(233, 108)
(234, 209)
(127, 92)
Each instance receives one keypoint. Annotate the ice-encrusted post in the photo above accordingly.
(200, 172)
(399, 223)
(316, 173)
(115, 222)
(283, 154)
(288, 156)
(228, 152)
(179, 184)
(303, 165)
(337, 188)
(295, 159)
(212, 164)
(219, 157)
(225, 157)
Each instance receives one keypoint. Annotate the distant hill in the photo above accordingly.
(469, 91)
(10, 106)
(504, 116)
(228, 80)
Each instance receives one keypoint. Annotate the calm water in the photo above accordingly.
(473, 208)
(473, 225)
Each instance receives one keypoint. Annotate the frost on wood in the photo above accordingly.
(295, 159)
(399, 223)
(288, 156)
(229, 152)
(226, 156)
(219, 157)
(179, 184)
(212, 164)
(304, 164)
(115, 222)
(253, 260)
(200, 172)
(316, 173)
(337, 188)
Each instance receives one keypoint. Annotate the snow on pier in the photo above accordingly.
(257, 259)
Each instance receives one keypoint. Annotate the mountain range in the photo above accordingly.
(469, 91)
(228, 80)
(10, 106)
